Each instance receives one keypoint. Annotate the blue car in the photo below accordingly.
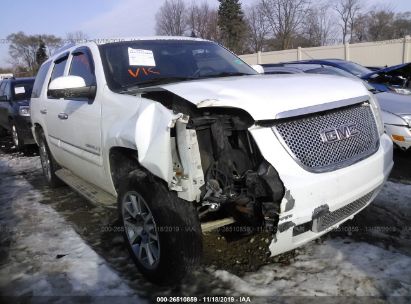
(395, 78)
(15, 94)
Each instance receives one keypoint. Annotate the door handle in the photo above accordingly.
(43, 111)
(62, 116)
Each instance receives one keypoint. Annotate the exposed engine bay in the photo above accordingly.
(236, 180)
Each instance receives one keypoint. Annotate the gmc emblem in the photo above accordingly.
(339, 133)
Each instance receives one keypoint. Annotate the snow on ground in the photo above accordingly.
(334, 268)
(49, 245)
(343, 266)
(45, 255)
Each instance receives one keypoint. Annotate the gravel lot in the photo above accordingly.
(54, 244)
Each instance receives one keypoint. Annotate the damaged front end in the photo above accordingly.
(216, 163)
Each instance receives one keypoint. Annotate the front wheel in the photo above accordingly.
(162, 232)
(17, 141)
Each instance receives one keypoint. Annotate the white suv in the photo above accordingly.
(187, 138)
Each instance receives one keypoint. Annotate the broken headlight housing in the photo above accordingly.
(24, 111)
(400, 90)
(375, 106)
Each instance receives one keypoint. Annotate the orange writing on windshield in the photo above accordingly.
(143, 71)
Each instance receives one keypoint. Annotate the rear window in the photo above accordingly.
(22, 90)
(40, 78)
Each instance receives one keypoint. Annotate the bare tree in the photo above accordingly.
(170, 19)
(23, 49)
(319, 25)
(213, 31)
(402, 25)
(202, 20)
(360, 29)
(348, 10)
(380, 25)
(284, 17)
(76, 37)
(258, 27)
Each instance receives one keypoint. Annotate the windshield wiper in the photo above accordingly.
(163, 80)
(225, 74)
(153, 82)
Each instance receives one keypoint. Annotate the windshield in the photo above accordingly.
(142, 63)
(22, 90)
(355, 68)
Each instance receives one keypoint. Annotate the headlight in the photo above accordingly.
(24, 111)
(400, 91)
(407, 118)
(377, 114)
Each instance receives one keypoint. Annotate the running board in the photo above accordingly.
(213, 225)
(93, 194)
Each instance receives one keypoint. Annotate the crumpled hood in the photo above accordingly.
(265, 96)
(395, 70)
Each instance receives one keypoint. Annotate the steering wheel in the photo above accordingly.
(203, 71)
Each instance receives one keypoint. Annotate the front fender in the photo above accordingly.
(148, 132)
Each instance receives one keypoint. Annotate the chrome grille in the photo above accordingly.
(332, 218)
(301, 136)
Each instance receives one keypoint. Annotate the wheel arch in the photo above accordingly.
(37, 129)
(122, 161)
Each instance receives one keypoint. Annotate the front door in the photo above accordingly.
(75, 124)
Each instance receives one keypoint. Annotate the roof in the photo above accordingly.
(102, 41)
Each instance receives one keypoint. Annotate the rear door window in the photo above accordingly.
(58, 69)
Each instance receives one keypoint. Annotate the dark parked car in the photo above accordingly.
(395, 78)
(15, 94)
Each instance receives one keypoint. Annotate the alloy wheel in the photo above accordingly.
(141, 229)
(45, 160)
(15, 136)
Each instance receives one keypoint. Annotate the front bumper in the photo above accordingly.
(400, 135)
(313, 193)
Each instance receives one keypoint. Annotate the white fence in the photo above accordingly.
(380, 53)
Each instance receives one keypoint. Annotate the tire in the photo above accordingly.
(17, 141)
(171, 230)
(48, 163)
(3, 132)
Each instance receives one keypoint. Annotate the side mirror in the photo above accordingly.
(4, 98)
(258, 68)
(71, 87)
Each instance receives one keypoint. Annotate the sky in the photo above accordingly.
(98, 18)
